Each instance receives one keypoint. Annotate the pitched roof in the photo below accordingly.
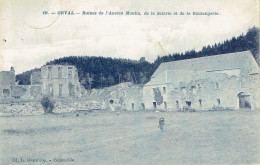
(177, 76)
(210, 63)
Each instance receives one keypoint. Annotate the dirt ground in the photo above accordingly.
(226, 137)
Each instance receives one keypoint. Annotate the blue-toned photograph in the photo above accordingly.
(118, 82)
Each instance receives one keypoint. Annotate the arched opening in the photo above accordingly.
(244, 100)
(111, 101)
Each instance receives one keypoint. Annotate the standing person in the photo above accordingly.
(161, 123)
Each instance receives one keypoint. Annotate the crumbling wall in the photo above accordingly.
(133, 98)
(124, 96)
(36, 78)
(7, 84)
(36, 91)
(200, 94)
(156, 96)
(60, 81)
(22, 92)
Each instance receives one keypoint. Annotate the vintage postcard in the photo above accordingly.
(129, 82)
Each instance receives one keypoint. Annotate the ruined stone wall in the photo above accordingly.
(150, 98)
(22, 92)
(7, 84)
(60, 81)
(27, 92)
(205, 94)
(133, 98)
(36, 78)
(125, 96)
(12, 92)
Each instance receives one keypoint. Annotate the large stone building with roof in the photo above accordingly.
(219, 81)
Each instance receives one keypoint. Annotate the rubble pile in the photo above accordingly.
(21, 109)
(61, 106)
(109, 98)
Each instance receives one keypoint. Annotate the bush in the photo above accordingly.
(47, 104)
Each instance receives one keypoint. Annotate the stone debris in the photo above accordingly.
(116, 98)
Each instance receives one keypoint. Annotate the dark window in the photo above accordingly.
(200, 102)
(188, 103)
(177, 104)
(70, 72)
(244, 101)
(218, 100)
(143, 106)
(154, 104)
(60, 90)
(71, 89)
(50, 72)
(164, 89)
(193, 89)
(60, 72)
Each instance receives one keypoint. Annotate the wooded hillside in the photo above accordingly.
(99, 72)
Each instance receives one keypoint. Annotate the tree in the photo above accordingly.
(115, 71)
(111, 80)
(47, 104)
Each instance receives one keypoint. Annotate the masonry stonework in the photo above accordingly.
(220, 81)
(60, 81)
(53, 80)
(7, 83)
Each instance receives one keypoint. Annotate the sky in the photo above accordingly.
(29, 39)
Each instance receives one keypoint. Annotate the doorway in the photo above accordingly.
(154, 104)
(188, 103)
(244, 100)
(200, 101)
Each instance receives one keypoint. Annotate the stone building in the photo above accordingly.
(7, 83)
(127, 96)
(54, 80)
(219, 81)
(60, 81)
